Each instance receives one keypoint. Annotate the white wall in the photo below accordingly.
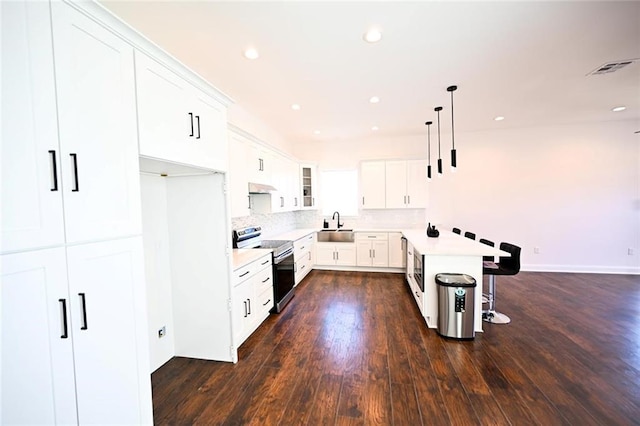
(573, 191)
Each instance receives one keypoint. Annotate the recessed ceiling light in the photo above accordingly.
(295, 107)
(499, 118)
(372, 36)
(251, 53)
(316, 132)
(618, 108)
(374, 99)
(375, 128)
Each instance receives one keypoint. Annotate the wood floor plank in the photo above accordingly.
(352, 349)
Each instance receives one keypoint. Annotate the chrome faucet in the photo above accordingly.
(340, 225)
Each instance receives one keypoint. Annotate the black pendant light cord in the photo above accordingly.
(428, 123)
(438, 109)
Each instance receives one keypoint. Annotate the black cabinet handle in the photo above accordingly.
(54, 170)
(83, 304)
(76, 184)
(191, 117)
(266, 303)
(198, 120)
(266, 279)
(245, 308)
(249, 303)
(63, 305)
(265, 262)
(242, 275)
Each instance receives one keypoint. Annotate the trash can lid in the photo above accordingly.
(455, 280)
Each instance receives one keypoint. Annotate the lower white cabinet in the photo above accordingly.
(303, 257)
(252, 297)
(75, 339)
(343, 254)
(396, 250)
(409, 263)
(373, 249)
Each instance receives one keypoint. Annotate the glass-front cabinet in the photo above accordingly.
(308, 186)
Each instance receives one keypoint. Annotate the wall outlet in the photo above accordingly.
(536, 250)
(631, 251)
(162, 332)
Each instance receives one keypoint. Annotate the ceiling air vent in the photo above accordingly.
(610, 67)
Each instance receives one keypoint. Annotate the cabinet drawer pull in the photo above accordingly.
(54, 170)
(191, 118)
(266, 303)
(249, 304)
(408, 199)
(265, 262)
(245, 308)
(63, 305)
(266, 279)
(74, 161)
(198, 120)
(242, 275)
(83, 304)
(371, 236)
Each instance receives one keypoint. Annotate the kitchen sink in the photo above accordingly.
(336, 236)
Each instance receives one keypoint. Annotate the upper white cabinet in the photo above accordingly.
(393, 184)
(177, 121)
(31, 207)
(260, 164)
(238, 176)
(97, 130)
(372, 184)
(308, 185)
(406, 184)
(97, 117)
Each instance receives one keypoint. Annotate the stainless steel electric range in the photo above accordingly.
(283, 265)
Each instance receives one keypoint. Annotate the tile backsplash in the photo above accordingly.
(278, 223)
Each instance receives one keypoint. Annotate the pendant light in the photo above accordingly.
(452, 89)
(429, 123)
(438, 109)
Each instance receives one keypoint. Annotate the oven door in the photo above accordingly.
(283, 281)
(418, 270)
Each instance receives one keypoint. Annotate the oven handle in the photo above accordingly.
(283, 256)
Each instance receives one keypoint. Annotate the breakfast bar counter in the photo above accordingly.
(448, 253)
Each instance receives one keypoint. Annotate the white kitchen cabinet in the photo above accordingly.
(343, 254)
(177, 121)
(373, 249)
(396, 250)
(38, 379)
(372, 184)
(409, 263)
(303, 256)
(97, 118)
(31, 208)
(308, 186)
(294, 200)
(406, 184)
(106, 290)
(260, 164)
(252, 297)
(237, 176)
(96, 162)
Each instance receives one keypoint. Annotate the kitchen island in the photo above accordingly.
(448, 253)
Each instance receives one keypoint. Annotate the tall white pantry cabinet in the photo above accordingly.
(74, 343)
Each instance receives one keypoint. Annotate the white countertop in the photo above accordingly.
(242, 257)
(449, 244)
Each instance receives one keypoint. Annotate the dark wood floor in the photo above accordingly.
(351, 348)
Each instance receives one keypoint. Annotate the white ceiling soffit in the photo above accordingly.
(526, 61)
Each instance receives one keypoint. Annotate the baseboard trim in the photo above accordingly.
(584, 269)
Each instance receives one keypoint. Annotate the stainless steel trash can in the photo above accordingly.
(456, 305)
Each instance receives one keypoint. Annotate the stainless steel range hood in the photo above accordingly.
(260, 188)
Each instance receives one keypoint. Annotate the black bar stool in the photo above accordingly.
(506, 266)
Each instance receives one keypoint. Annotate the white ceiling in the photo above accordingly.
(526, 61)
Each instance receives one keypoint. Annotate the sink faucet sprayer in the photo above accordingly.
(340, 225)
